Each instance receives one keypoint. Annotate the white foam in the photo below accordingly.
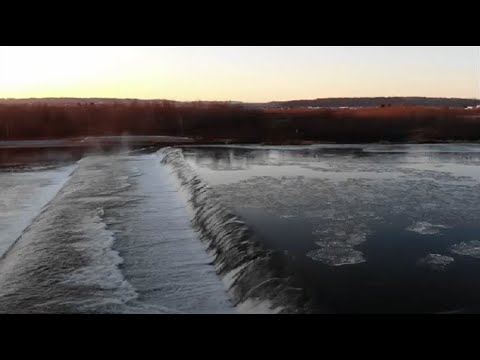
(229, 278)
(257, 306)
(136, 307)
(102, 270)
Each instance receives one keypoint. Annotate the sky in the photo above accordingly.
(253, 74)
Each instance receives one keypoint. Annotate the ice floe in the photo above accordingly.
(425, 228)
(436, 262)
(337, 255)
(470, 248)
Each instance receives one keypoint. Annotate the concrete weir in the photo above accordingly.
(258, 280)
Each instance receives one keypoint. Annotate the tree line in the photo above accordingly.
(213, 121)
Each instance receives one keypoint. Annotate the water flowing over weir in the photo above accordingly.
(116, 238)
(326, 228)
(258, 279)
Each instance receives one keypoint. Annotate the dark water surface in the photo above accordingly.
(368, 228)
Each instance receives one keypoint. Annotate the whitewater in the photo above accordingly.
(109, 234)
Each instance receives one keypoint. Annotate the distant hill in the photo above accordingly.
(97, 101)
(73, 101)
(376, 101)
(320, 103)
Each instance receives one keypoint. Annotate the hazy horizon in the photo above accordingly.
(246, 74)
(232, 100)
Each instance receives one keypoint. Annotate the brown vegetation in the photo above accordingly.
(211, 121)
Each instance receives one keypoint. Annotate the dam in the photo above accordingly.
(188, 229)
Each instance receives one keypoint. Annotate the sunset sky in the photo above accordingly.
(239, 73)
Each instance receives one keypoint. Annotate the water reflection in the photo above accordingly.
(222, 165)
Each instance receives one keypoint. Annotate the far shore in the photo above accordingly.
(27, 152)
